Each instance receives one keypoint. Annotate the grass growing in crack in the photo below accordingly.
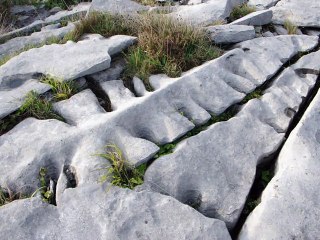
(33, 106)
(165, 149)
(121, 173)
(164, 45)
(5, 17)
(46, 193)
(240, 11)
(147, 2)
(8, 196)
(290, 27)
(61, 89)
(254, 94)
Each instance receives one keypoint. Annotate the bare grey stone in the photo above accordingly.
(225, 34)
(117, 6)
(280, 30)
(262, 4)
(215, 169)
(267, 34)
(300, 13)
(257, 18)
(19, 43)
(71, 61)
(289, 205)
(92, 212)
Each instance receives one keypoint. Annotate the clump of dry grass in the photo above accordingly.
(241, 11)
(290, 27)
(164, 45)
(5, 18)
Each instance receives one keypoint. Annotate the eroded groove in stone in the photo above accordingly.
(289, 205)
(146, 122)
(71, 60)
(220, 163)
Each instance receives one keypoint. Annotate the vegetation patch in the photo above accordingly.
(255, 94)
(240, 11)
(164, 45)
(46, 193)
(33, 106)
(8, 196)
(290, 27)
(5, 18)
(121, 173)
(61, 89)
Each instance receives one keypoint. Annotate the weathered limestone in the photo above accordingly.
(258, 18)
(117, 6)
(215, 169)
(289, 205)
(92, 212)
(300, 13)
(262, 4)
(64, 61)
(205, 13)
(138, 126)
(79, 10)
(38, 38)
(225, 34)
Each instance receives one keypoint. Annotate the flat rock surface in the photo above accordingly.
(289, 205)
(117, 6)
(72, 60)
(227, 34)
(257, 18)
(300, 13)
(93, 212)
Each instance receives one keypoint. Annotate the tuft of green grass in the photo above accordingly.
(164, 45)
(290, 27)
(254, 94)
(240, 11)
(165, 149)
(121, 173)
(61, 89)
(33, 106)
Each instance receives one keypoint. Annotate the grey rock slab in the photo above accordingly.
(206, 12)
(38, 38)
(215, 169)
(79, 107)
(156, 118)
(300, 13)
(226, 34)
(257, 18)
(92, 212)
(280, 30)
(112, 73)
(35, 26)
(118, 94)
(13, 98)
(71, 60)
(139, 87)
(77, 11)
(262, 4)
(289, 205)
(267, 34)
(117, 6)
(312, 32)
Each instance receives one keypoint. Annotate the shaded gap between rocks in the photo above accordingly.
(265, 171)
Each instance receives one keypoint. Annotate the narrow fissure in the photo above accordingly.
(265, 171)
(103, 98)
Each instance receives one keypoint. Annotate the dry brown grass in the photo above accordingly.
(5, 19)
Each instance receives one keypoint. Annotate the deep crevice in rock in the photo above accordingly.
(103, 98)
(265, 171)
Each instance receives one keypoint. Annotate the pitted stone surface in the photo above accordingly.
(289, 205)
(117, 6)
(215, 169)
(173, 109)
(300, 13)
(66, 61)
(92, 212)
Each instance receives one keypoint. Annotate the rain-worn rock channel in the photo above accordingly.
(231, 146)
